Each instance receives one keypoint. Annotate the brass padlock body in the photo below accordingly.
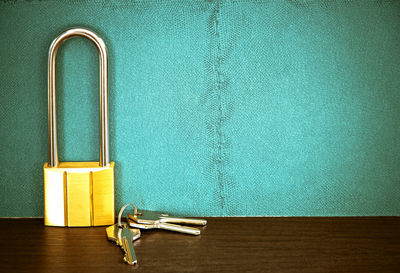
(78, 194)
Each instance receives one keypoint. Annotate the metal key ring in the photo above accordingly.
(122, 210)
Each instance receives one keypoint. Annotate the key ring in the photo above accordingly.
(122, 210)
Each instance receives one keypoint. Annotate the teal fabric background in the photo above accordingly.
(216, 107)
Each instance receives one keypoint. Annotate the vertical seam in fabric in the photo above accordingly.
(218, 125)
(220, 114)
(214, 99)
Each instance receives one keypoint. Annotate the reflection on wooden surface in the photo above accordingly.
(290, 244)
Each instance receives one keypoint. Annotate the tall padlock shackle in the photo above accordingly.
(52, 110)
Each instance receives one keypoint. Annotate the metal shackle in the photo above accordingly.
(52, 110)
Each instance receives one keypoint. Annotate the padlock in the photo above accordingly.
(78, 194)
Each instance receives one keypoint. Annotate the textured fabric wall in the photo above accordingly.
(216, 107)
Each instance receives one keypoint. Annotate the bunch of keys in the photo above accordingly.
(144, 219)
(124, 233)
(123, 236)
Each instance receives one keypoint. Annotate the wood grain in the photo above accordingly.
(291, 244)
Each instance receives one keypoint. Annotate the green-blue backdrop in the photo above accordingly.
(216, 107)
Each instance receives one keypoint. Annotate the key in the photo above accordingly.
(124, 237)
(166, 226)
(150, 217)
(145, 219)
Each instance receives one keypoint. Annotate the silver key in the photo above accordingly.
(145, 219)
(124, 237)
(150, 217)
(166, 226)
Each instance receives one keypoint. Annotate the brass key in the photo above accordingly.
(124, 237)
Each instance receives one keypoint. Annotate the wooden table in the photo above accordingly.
(283, 244)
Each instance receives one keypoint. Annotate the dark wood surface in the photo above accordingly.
(290, 244)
